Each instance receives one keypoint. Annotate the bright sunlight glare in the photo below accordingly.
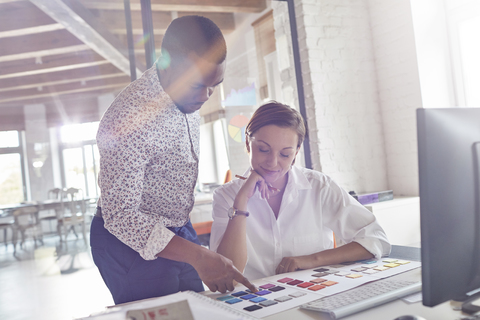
(79, 132)
(9, 139)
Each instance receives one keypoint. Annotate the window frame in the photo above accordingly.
(21, 151)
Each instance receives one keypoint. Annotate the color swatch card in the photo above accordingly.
(289, 290)
(342, 277)
(272, 298)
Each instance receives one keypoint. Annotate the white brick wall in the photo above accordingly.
(361, 89)
(340, 89)
(398, 90)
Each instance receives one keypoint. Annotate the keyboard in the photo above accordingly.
(363, 297)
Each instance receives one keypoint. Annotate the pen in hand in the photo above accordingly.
(269, 186)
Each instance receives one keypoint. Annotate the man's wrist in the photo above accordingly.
(200, 255)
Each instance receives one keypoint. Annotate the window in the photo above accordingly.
(11, 173)
(80, 157)
(464, 26)
(470, 55)
(265, 45)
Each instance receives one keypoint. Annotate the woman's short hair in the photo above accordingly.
(280, 115)
(194, 34)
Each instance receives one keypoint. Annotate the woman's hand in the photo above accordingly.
(290, 264)
(254, 181)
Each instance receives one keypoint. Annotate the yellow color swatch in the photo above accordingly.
(353, 276)
(391, 265)
(381, 268)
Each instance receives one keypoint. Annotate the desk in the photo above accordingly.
(387, 311)
(391, 310)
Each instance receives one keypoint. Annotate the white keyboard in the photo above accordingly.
(364, 297)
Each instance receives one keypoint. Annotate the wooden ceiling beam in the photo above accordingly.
(32, 42)
(64, 98)
(50, 96)
(59, 76)
(47, 62)
(54, 83)
(56, 90)
(44, 53)
(115, 20)
(81, 23)
(251, 6)
(49, 71)
(21, 14)
(31, 30)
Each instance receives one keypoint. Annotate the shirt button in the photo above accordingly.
(278, 244)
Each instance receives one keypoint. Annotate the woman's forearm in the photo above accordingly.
(234, 243)
(352, 251)
(349, 252)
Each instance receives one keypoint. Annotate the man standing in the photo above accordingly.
(142, 240)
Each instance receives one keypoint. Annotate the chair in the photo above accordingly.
(5, 224)
(228, 176)
(71, 214)
(53, 194)
(26, 219)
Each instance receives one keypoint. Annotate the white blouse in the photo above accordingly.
(313, 207)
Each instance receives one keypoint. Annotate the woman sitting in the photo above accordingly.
(282, 217)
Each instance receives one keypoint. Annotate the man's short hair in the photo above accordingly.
(194, 34)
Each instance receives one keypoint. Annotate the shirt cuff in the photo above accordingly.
(158, 240)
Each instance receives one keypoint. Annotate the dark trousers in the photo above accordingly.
(129, 277)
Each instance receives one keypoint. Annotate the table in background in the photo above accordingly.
(7, 210)
(44, 205)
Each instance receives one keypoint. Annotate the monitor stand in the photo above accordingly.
(471, 304)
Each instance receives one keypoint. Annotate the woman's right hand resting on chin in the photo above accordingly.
(254, 180)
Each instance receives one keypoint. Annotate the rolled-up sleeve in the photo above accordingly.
(351, 221)
(223, 199)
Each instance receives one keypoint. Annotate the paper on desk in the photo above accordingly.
(201, 306)
(173, 311)
(343, 284)
(413, 298)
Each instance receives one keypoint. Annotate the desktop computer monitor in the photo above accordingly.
(448, 154)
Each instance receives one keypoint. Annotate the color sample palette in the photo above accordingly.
(258, 299)
(283, 292)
